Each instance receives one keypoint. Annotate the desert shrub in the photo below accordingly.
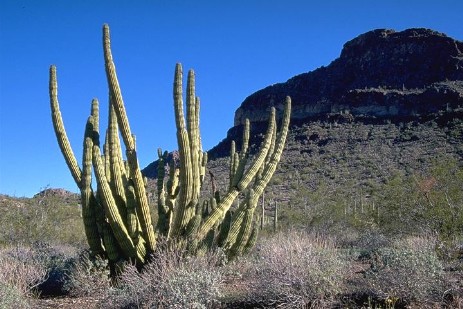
(366, 245)
(88, 275)
(57, 261)
(11, 297)
(295, 268)
(170, 280)
(409, 271)
(20, 274)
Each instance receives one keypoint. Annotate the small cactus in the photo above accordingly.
(117, 216)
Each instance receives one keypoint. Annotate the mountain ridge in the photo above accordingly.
(410, 59)
(382, 76)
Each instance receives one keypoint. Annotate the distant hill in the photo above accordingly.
(389, 110)
(381, 73)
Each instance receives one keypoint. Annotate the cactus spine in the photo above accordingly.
(117, 216)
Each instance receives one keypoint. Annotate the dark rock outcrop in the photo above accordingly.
(381, 73)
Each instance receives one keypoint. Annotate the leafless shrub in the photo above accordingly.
(20, 273)
(171, 280)
(296, 268)
(11, 297)
(408, 271)
(88, 276)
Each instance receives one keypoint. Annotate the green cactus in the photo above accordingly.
(117, 216)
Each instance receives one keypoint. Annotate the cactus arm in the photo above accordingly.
(245, 143)
(271, 166)
(186, 176)
(87, 198)
(246, 208)
(132, 219)
(139, 186)
(243, 236)
(115, 91)
(241, 159)
(111, 210)
(231, 195)
(116, 178)
(233, 164)
(224, 229)
(60, 131)
(251, 241)
(260, 158)
(164, 211)
(193, 135)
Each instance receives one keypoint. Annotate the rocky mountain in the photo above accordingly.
(382, 74)
(391, 104)
(379, 73)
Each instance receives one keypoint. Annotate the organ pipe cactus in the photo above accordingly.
(117, 215)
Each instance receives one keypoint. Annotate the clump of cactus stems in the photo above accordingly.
(117, 216)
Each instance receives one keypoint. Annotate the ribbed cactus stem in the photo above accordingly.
(95, 113)
(246, 133)
(60, 131)
(132, 219)
(123, 122)
(164, 211)
(243, 235)
(186, 194)
(233, 165)
(112, 212)
(260, 158)
(271, 166)
(195, 147)
(115, 90)
(258, 188)
(116, 178)
(87, 198)
(231, 195)
(241, 159)
(251, 241)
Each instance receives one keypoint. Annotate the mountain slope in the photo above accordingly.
(367, 132)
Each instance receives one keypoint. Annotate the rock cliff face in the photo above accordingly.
(380, 74)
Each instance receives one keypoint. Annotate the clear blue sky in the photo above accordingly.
(235, 48)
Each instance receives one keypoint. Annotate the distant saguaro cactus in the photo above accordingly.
(117, 216)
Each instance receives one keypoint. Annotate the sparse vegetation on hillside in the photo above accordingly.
(48, 218)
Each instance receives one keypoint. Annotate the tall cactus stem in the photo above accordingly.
(60, 131)
(87, 198)
(139, 186)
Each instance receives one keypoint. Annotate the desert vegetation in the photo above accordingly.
(349, 266)
(357, 215)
